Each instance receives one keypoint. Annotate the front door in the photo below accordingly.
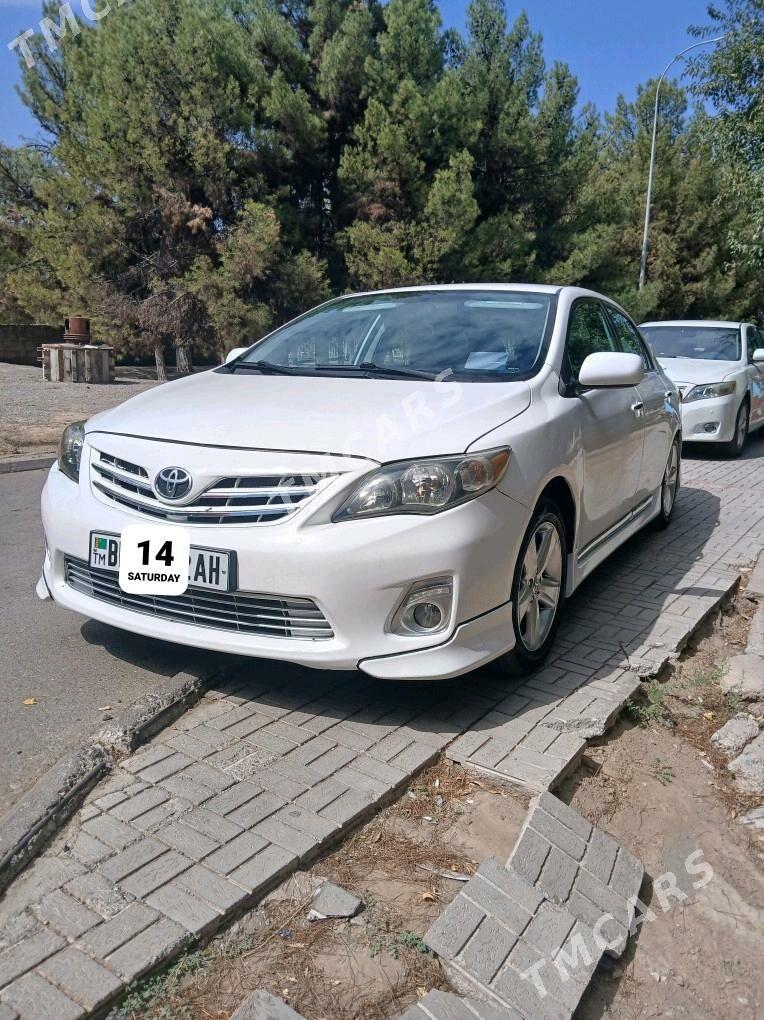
(611, 425)
(755, 340)
(659, 413)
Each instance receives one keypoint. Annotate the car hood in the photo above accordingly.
(696, 370)
(379, 419)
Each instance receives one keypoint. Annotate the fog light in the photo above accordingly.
(711, 426)
(427, 615)
(426, 608)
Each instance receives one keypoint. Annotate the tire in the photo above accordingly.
(736, 445)
(532, 602)
(672, 478)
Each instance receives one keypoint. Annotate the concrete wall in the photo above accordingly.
(18, 344)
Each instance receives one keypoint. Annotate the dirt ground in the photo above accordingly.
(662, 789)
(33, 413)
(655, 782)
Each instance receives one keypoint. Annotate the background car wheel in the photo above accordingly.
(538, 587)
(670, 485)
(735, 446)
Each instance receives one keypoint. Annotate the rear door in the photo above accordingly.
(610, 424)
(654, 395)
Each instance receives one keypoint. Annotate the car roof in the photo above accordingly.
(696, 323)
(534, 288)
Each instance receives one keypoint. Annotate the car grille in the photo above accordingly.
(245, 612)
(245, 499)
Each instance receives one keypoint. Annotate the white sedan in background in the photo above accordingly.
(718, 368)
(407, 482)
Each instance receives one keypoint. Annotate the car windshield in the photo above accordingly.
(710, 343)
(474, 335)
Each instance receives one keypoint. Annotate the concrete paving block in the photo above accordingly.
(257, 809)
(81, 978)
(89, 850)
(207, 775)
(157, 872)
(495, 903)
(27, 954)
(187, 840)
(194, 914)
(235, 853)
(231, 799)
(301, 844)
(131, 859)
(332, 900)
(744, 677)
(147, 949)
(262, 1005)
(265, 869)
(556, 834)
(98, 893)
(131, 808)
(67, 915)
(318, 827)
(7, 1012)
(439, 1005)
(34, 998)
(600, 855)
(487, 950)
(450, 932)
(211, 887)
(529, 855)
(351, 807)
(112, 934)
(112, 831)
(222, 830)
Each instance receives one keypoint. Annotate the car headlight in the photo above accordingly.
(425, 486)
(70, 449)
(709, 390)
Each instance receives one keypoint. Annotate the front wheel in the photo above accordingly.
(538, 587)
(735, 446)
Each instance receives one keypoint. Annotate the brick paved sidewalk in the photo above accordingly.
(258, 779)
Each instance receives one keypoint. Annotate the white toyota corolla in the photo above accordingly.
(407, 482)
(718, 368)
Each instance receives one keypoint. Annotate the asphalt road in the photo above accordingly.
(72, 666)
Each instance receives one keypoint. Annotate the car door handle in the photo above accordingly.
(638, 407)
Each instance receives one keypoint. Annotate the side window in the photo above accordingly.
(628, 337)
(588, 333)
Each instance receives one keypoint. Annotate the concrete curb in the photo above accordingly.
(9, 465)
(33, 820)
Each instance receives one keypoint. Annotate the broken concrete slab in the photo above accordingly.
(736, 733)
(756, 580)
(439, 1005)
(527, 936)
(332, 900)
(744, 677)
(753, 818)
(579, 867)
(262, 1005)
(748, 767)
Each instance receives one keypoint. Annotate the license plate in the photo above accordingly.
(207, 568)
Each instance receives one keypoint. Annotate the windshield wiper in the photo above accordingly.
(372, 368)
(269, 368)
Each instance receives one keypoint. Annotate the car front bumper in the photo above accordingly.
(710, 421)
(356, 572)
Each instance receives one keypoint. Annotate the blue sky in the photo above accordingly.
(611, 45)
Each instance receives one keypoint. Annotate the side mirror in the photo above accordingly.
(235, 353)
(758, 356)
(608, 369)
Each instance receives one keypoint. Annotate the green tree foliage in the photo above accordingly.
(731, 76)
(210, 168)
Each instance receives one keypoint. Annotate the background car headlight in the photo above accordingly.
(70, 449)
(708, 390)
(425, 486)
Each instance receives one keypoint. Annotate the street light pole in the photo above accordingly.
(651, 174)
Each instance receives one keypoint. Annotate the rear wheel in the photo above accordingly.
(670, 485)
(538, 587)
(736, 445)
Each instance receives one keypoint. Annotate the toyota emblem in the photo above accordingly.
(173, 483)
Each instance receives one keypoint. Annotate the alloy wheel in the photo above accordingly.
(670, 481)
(540, 586)
(742, 428)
